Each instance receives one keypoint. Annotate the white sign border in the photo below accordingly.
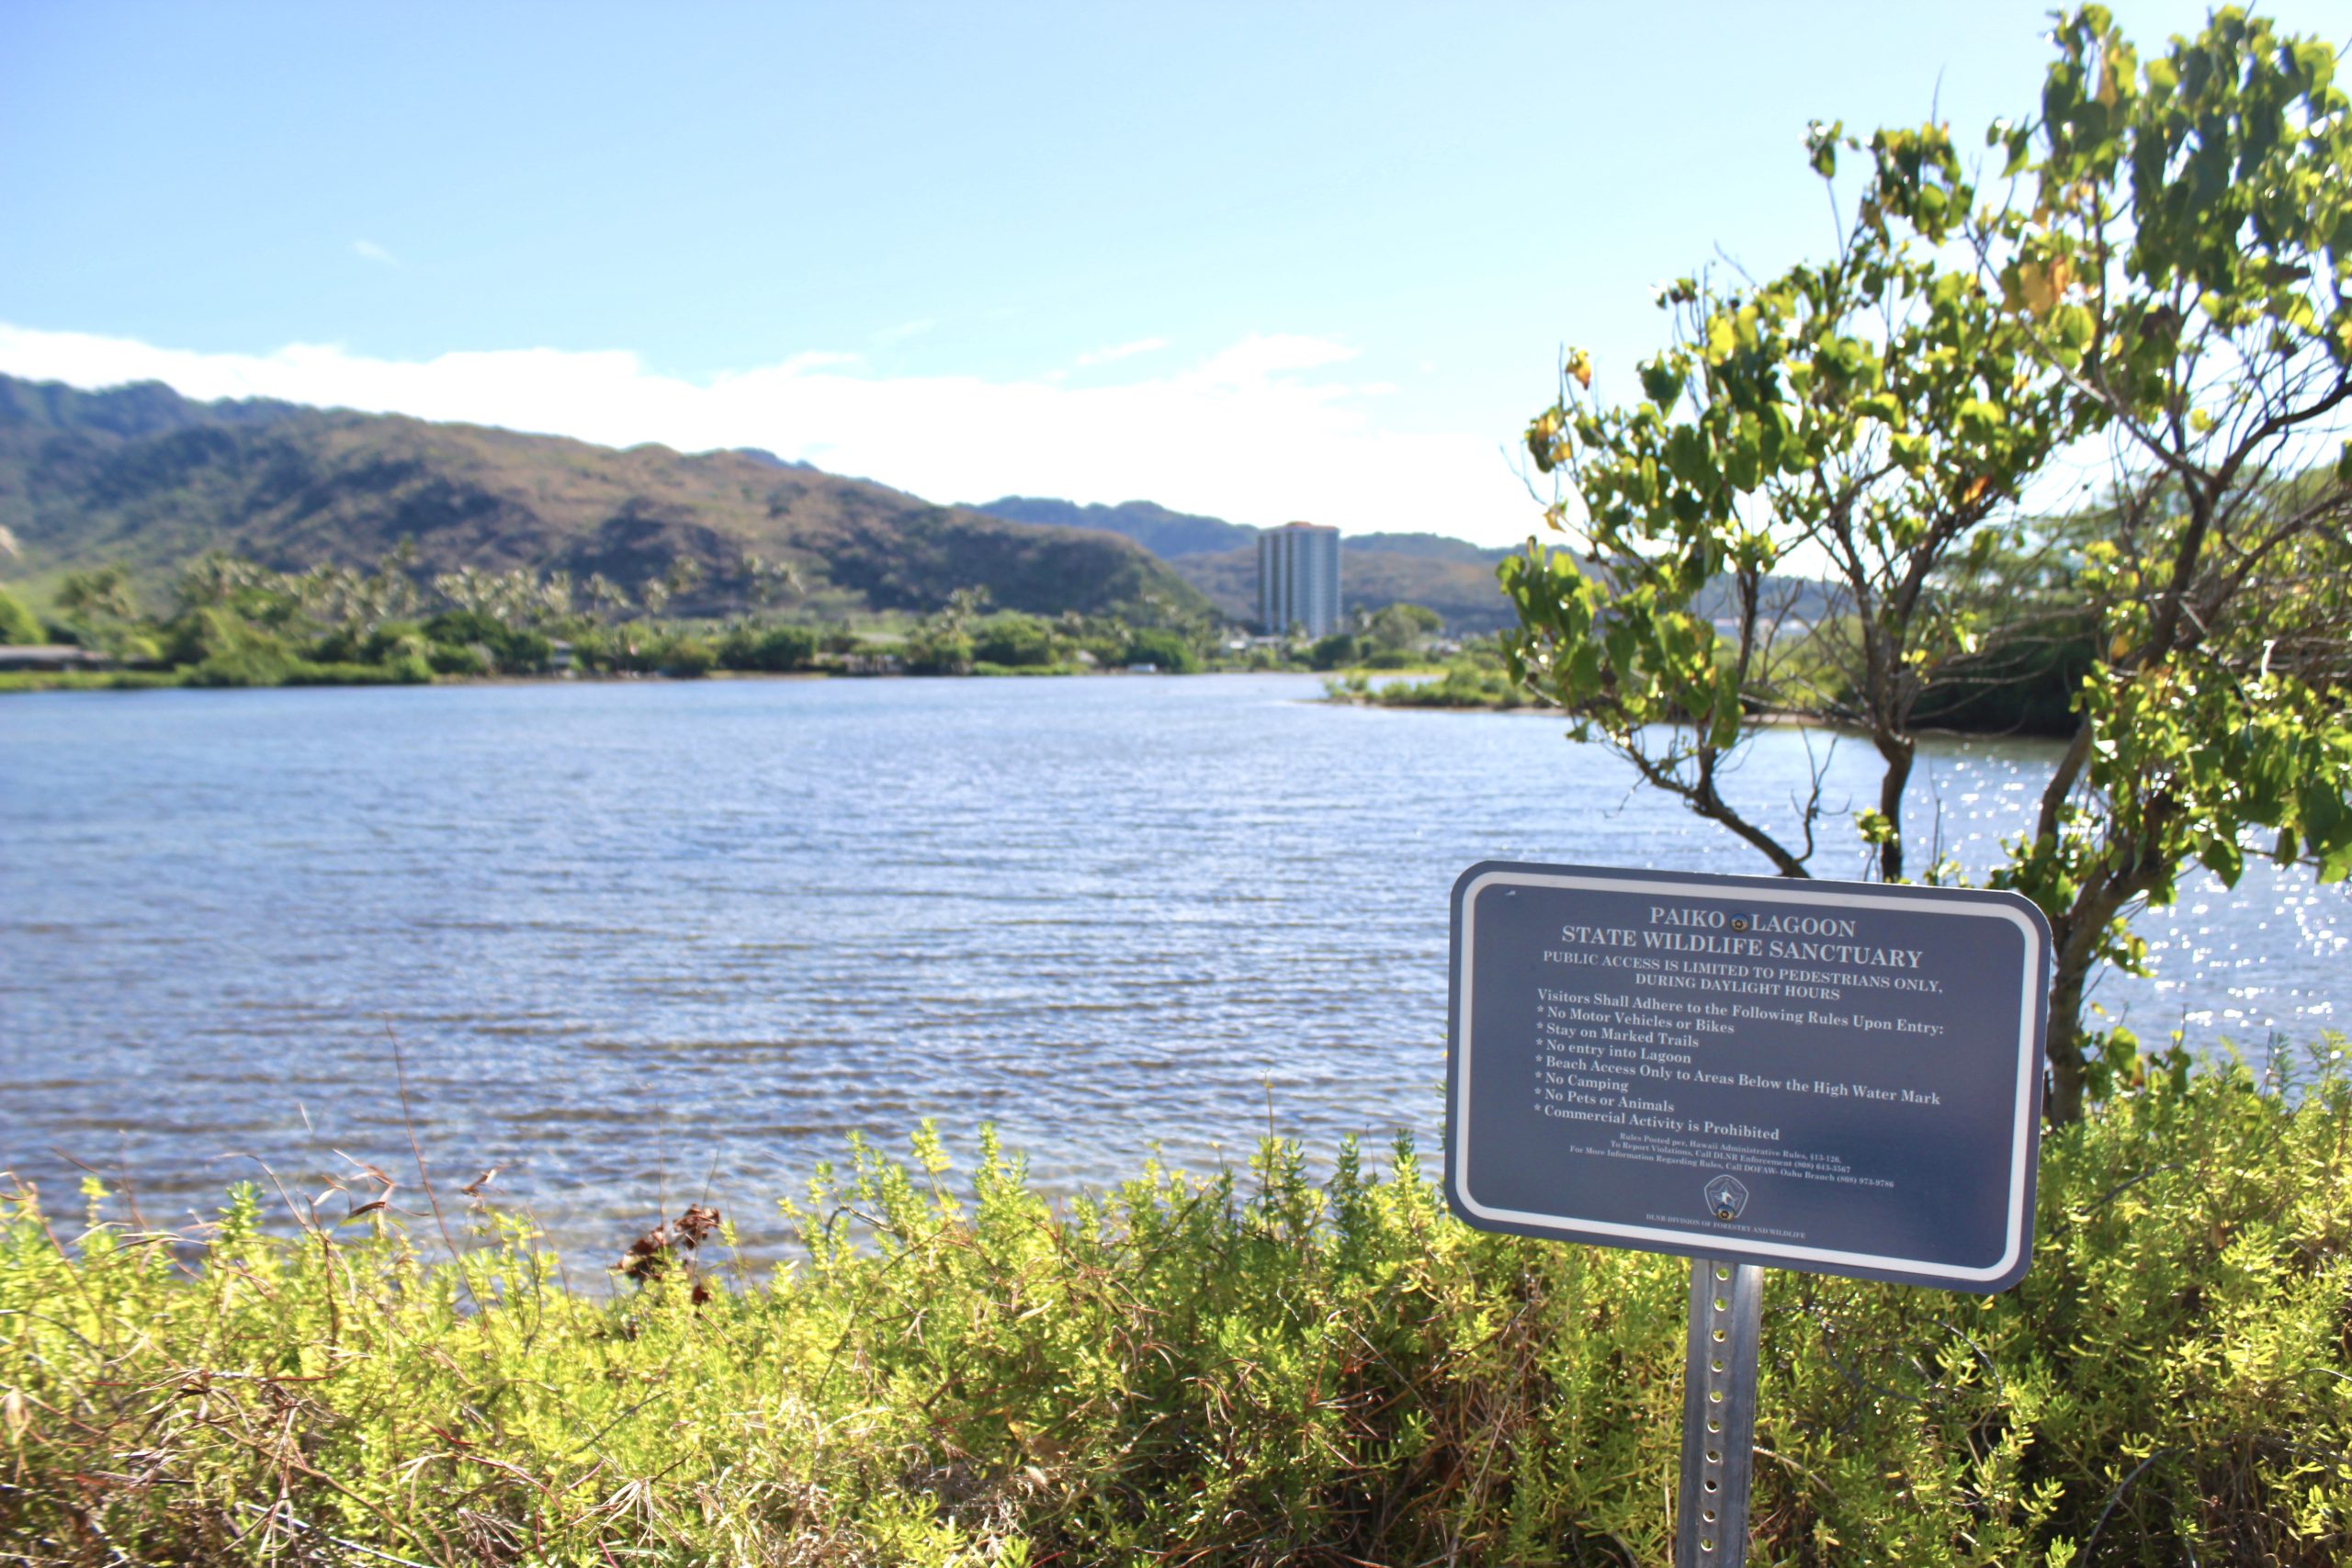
(1715, 1243)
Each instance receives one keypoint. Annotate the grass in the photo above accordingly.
(1243, 1368)
(277, 672)
(89, 680)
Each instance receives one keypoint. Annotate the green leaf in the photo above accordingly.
(1661, 383)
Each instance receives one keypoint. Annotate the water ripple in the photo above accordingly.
(633, 938)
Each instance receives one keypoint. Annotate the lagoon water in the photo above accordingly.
(637, 942)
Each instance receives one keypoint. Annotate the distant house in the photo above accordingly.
(50, 658)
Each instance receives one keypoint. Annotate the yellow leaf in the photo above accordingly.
(1580, 366)
(2043, 282)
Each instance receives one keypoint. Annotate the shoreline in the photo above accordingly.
(32, 682)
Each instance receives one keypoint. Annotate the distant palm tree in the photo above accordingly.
(684, 574)
(769, 580)
(215, 579)
(963, 607)
(604, 593)
(556, 594)
(104, 592)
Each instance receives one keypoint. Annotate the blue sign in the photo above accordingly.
(1836, 1076)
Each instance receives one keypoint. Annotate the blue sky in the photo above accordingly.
(1264, 261)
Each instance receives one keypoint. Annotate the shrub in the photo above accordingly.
(1466, 683)
(253, 665)
(525, 652)
(461, 628)
(448, 659)
(933, 650)
(1333, 652)
(398, 672)
(1014, 639)
(776, 649)
(497, 645)
(18, 624)
(1236, 1369)
(687, 658)
(209, 632)
(394, 641)
(1155, 645)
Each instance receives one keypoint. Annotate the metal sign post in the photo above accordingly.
(1718, 1413)
(1840, 1078)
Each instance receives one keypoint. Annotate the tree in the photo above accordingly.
(2182, 268)
(605, 595)
(1163, 648)
(218, 578)
(684, 576)
(1334, 651)
(765, 580)
(753, 646)
(1396, 627)
(1012, 639)
(941, 643)
(99, 595)
(18, 624)
(1837, 463)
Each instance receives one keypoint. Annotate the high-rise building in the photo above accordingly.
(1298, 578)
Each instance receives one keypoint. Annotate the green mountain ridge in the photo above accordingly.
(1168, 535)
(143, 475)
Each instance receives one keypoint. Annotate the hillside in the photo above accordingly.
(1165, 533)
(1431, 547)
(1465, 592)
(1453, 577)
(143, 475)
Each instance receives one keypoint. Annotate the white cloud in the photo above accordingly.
(904, 331)
(1122, 350)
(368, 250)
(1263, 431)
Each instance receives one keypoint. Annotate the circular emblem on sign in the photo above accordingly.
(1740, 922)
(1726, 1197)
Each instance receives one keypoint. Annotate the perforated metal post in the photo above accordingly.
(1718, 1413)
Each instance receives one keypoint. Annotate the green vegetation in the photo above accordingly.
(2157, 274)
(1395, 637)
(1466, 683)
(1220, 1370)
(18, 624)
(1477, 677)
(230, 623)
